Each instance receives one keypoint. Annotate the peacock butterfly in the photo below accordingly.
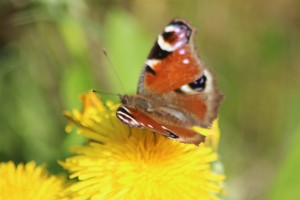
(175, 91)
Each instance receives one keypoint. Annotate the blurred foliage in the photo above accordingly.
(287, 182)
(51, 52)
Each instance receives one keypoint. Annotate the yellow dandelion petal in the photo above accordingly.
(29, 182)
(212, 134)
(123, 163)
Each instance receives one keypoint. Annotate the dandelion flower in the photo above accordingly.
(123, 163)
(28, 182)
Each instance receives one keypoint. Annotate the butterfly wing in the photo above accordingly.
(172, 62)
(175, 77)
(175, 90)
(136, 118)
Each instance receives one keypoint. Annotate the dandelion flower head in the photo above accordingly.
(123, 163)
(28, 182)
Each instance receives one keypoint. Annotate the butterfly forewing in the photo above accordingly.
(171, 62)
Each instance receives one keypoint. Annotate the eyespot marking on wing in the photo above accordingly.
(194, 87)
(175, 35)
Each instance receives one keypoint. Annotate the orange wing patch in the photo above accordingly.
(194, 104)
(179, 68)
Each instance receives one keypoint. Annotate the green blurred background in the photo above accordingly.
(51, 52)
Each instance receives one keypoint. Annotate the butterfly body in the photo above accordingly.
(175, 91)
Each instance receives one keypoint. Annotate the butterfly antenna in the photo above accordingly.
(114, 69)
(106, 93)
